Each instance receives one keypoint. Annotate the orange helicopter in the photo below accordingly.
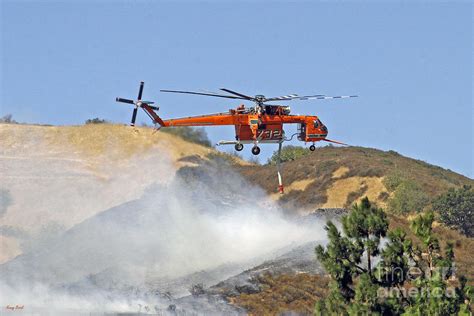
(262, 123)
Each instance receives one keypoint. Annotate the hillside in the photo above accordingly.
(338, 176)
(109, 211)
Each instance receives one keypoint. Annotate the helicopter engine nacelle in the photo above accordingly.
(286, 110)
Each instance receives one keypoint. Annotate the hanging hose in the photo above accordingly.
(289, 139)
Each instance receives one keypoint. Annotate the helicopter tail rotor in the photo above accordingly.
(134, 116)
(145, 105)
(124, 100)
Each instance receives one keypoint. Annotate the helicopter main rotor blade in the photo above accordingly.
(206, 94)
(140, 91)
(324, 97)
(293, 97)
(237, 94)
(125, 100)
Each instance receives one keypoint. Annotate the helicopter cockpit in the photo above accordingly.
(319, 125)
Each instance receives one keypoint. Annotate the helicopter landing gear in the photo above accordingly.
(312, 148)
(239, 147)
(255, 150)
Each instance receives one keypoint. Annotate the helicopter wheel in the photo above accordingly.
(255, 150)
(239, 147)
(312, 148)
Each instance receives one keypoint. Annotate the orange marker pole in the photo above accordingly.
(280, 182)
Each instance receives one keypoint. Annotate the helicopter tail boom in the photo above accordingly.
(149, 110)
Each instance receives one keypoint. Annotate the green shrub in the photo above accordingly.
(408, 197)
(222, 157)
(288, 153)
(8, 119)
(392, 181)
(371, 172)
(191, 134)
(353, 196)
(96, 121)
(456, 209)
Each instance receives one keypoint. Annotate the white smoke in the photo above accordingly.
(204, 219)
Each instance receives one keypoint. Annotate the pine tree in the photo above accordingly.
(366, 297)
(365, 225)
(421, 267)
(342, 259)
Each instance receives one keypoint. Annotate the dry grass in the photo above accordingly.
(116, 141)
(120, 142)
(340, 190)
(339, 173)
(296, 293)
(300, 185)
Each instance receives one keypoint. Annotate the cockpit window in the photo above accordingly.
(317, 123)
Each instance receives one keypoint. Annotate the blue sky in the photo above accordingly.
(63, 62)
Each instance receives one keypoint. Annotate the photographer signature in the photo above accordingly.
(14, 307)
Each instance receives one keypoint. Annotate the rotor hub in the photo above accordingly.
(259, 98)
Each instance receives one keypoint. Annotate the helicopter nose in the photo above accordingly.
(324, 130)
